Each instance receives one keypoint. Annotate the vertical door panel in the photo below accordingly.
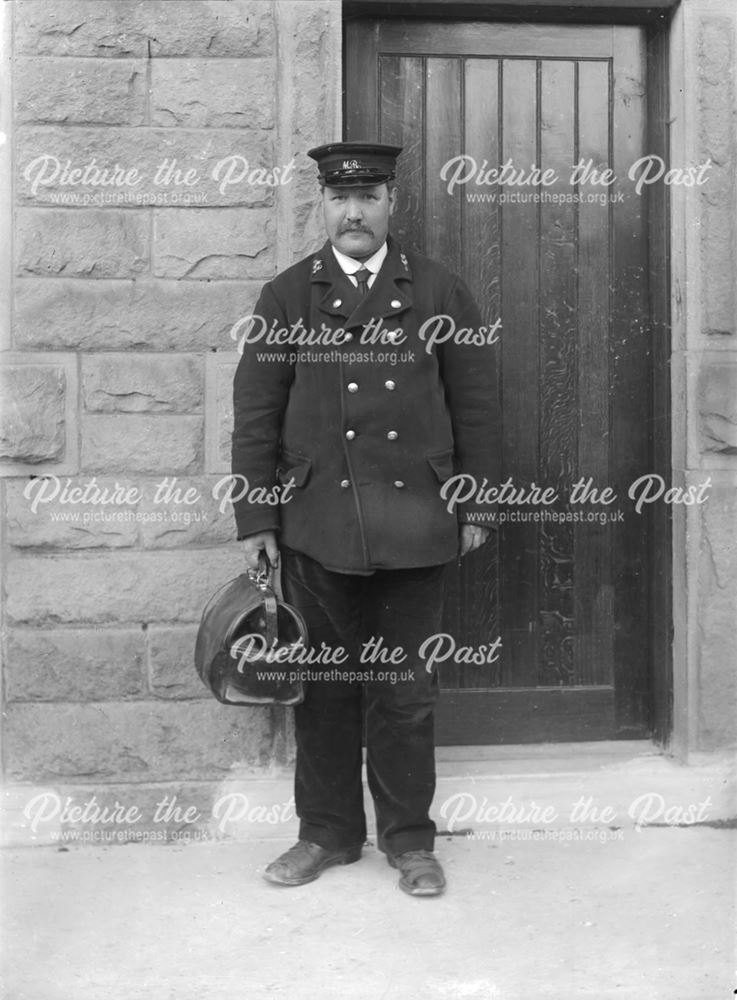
(564, 268)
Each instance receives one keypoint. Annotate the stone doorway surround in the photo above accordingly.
(692, 79)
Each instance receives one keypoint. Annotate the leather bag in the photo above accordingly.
(246, 638)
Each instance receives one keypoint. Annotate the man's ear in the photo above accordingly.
(392, 199)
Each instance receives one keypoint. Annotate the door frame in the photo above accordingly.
(656, 17)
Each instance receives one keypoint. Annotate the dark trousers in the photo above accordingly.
(402, 607)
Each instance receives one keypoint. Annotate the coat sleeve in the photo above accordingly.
(260, 392)
(468, 365)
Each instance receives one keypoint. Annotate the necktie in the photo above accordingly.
(362, 276)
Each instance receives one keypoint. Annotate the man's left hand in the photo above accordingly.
(473, 537)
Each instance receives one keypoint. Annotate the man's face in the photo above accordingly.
(357, 218)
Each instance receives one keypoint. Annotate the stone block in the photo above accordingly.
(213, 243)
(185, 512)
(93, 243)
(679, 409)
(220, 370)
(131, 443)
(716, 97)
(35, 387)
(150, 383)
(33, 415)
(113, 29)
(172, 672)
(241, 808)
(717, 406)
(713, 524)
(106, 814)
(71, 314)
(74, 664)
(46, 512)
(159, 167)
(207, 93)
(122, 586)
(80, 91)
(306, 221)
(133, 741)
(289, 753)
(309, 40)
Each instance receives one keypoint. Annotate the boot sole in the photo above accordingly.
(415, 891)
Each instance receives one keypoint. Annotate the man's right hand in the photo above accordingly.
(264, 541)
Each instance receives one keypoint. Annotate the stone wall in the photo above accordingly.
(117, 365)
(159, 177)
(704, 312)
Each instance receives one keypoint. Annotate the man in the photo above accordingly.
(363, 386)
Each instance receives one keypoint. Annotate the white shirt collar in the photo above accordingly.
(349, 265)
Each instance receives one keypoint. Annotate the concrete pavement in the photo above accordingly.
(548, 909)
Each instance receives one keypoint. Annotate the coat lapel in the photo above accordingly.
(333, 292)
(390, 295)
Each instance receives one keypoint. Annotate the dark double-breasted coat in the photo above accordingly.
(348, 406)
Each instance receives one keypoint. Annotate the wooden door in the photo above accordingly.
(567, 277)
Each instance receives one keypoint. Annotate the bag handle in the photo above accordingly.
(263, 573)
(263, 578)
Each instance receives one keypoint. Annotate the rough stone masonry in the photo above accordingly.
(148, 139)
(159, 178)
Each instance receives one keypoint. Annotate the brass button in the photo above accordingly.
(395, 303)
(345, 483)
(353, 387)
(348, 337)
(392, 436)
(337, 302)
(350, 435)
(399, 484)
(390, 385)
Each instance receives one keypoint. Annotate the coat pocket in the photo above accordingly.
(441, 464)
(293, 468)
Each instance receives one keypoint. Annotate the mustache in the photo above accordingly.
(355, 229)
